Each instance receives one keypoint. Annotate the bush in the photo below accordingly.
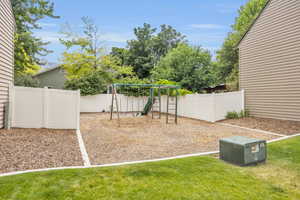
(144, 91)
(90, 84)
(242, 114)
(232, 115)
(246, 113)
(181, 92)
(236, 115)
(26, 80)
(133, 91)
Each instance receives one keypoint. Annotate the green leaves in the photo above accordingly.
(189, 66)
(92, 83)
(227, 57)
(26, 80)
(77, 64)
(86, 68)
(82, 75)
(29, 48)
(147, 49)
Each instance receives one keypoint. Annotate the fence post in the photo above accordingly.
(45, 107)
(243, 99)
(78, 109)
(10, 106)
(214, 107)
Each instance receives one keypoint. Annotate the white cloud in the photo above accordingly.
(115, 37)
(44, 25)
(211, 48)
(53, 37)
(207, 26)
(48, 36)
(203, 38)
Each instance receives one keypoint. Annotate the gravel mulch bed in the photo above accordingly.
(24, 149)
(141, 138)
(273, 125)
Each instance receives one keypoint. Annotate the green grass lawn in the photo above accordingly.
(189, 178)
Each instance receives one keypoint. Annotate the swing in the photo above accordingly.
(153, 102)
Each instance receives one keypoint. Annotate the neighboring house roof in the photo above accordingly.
(250, 27)
(47, 70)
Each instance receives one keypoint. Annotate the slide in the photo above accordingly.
(147, 107)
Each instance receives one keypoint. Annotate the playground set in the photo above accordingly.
(151, 100)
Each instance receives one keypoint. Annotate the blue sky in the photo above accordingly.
(204, 22)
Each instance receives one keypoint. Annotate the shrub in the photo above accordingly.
(247, 113)
(144, 91)
(26, 80)
(236, 115)
(232, 115)
(242, 114)
(181, 92)
(90, 84)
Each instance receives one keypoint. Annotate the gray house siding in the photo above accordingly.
(7, 26)
(270, 62)
(53, 78)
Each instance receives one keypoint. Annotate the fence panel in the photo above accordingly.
(208, 107)
(27, 107)
(44, 108)
(96, 103)
(225, 102)
(196, 106)
(62, 109)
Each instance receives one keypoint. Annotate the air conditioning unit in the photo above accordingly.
(243, 151)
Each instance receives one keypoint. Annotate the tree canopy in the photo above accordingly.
(29, 48)
(189, 66)
(146, 50)
(227, 56)
(87, 68)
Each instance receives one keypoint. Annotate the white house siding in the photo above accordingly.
(6, 53)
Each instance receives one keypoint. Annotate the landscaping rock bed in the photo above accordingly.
(140, 138)
(273, 125)
(23, 149)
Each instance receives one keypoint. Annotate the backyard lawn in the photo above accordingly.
(189, 178)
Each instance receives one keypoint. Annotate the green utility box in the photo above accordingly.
(243, 151)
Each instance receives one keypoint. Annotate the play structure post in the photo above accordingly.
(159, 98)
(149, 106)
(167, 115)
(176, 103)
(112, 102)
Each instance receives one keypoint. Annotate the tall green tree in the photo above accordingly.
(189, 66)
(168, 38)
(83, 49)
(28, 48)
(140, 50)
(121, 53)
(227, 56)
(149, 46)
(87, 68)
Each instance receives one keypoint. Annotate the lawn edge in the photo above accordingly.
(132, 162)
(252, 129)
(111, 164)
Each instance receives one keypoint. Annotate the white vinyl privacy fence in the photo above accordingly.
(44, 108)
(208, 107)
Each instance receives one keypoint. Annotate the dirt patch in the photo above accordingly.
(23, 149)
(140, 138)
(274, 125)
